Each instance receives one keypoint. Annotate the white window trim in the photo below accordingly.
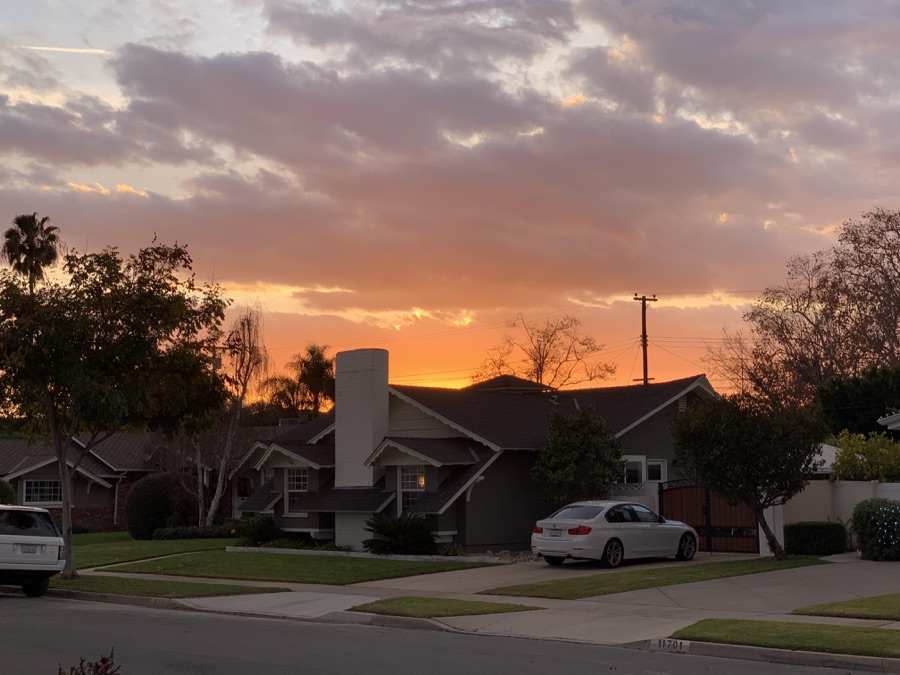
(663, 470)
(640, 459)
(25, 500)
(288, 491)
(401, 490)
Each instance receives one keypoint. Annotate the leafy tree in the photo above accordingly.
(581, 459)
(837, 314)
(118, 343)
(855, 403)
(7, 492)
(749, 452)
(874, 456)
(556, 354)
(29, 246)
(309, 384)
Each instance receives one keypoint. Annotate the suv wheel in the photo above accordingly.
(36, 587)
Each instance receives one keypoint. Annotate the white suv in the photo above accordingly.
(31, 548)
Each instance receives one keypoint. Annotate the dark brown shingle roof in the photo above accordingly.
(519, 420)
(442, 451)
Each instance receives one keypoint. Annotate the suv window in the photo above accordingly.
(27, 523)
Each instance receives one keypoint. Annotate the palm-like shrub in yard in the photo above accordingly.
(407, 534)
(155, 501)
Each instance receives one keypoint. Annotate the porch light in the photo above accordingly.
(420, 481)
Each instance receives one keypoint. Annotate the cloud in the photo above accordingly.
(438, 160)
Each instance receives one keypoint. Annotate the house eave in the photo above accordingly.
(453, 425)
(700, 383)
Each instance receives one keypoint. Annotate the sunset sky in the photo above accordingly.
(412, 175)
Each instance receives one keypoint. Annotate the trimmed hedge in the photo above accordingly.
(876, 526)
(258, 531)
(196, 532)
(815, 538)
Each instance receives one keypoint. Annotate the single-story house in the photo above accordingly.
(103, 475)
(459, 457)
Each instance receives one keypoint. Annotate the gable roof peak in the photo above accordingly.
(509, 383)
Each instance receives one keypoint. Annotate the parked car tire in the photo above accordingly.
(553, 559)
(36, 587)
(687, 547)
(613, 553)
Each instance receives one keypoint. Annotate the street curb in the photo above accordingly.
(770, 655)
(385, 621)
(491, 560)
(341, 617)
(138, 600)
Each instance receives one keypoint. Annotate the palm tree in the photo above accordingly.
(316, 372)
(29, 246)
(309, 384)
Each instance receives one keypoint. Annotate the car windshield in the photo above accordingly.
(578, 512)
(32, 524)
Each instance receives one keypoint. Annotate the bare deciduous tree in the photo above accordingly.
(555, 354)
(244, 363)
(837, 314)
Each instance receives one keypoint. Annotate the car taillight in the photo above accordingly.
(537, 529)
(581, 529)
(62, 553)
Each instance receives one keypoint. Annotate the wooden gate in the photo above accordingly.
(721, 526)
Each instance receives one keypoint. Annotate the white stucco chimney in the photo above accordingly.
(361, 413)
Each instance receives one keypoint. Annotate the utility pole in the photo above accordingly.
(643, 299)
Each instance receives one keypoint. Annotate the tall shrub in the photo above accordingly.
(155, 501)
(876, 526)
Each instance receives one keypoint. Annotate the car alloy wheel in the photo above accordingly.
(687, 547)
(613, 553)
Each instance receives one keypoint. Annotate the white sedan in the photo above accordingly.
(610, 532)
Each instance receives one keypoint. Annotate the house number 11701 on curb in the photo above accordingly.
(670, 645)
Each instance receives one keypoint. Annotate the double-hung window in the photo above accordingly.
(297, 484)
(412, 484)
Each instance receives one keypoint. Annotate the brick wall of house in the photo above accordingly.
(95, 519)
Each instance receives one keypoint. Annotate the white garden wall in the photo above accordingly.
(827, 500)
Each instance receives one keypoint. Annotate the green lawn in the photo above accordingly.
(108, 548)
(288, 568)
(433, 608)
(619, 582)
(806, 636)
(885, 607)
(155, 588)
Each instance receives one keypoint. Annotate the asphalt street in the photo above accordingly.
(42, 634)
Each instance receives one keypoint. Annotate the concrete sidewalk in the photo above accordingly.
(636, 618)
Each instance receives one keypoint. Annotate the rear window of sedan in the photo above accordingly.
(27, 523)
(578, 512)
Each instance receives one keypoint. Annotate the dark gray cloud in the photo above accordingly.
(700, 149)
(449, 37)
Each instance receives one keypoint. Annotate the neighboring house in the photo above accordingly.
(459, 457)
(892, 421)
(103, 476)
